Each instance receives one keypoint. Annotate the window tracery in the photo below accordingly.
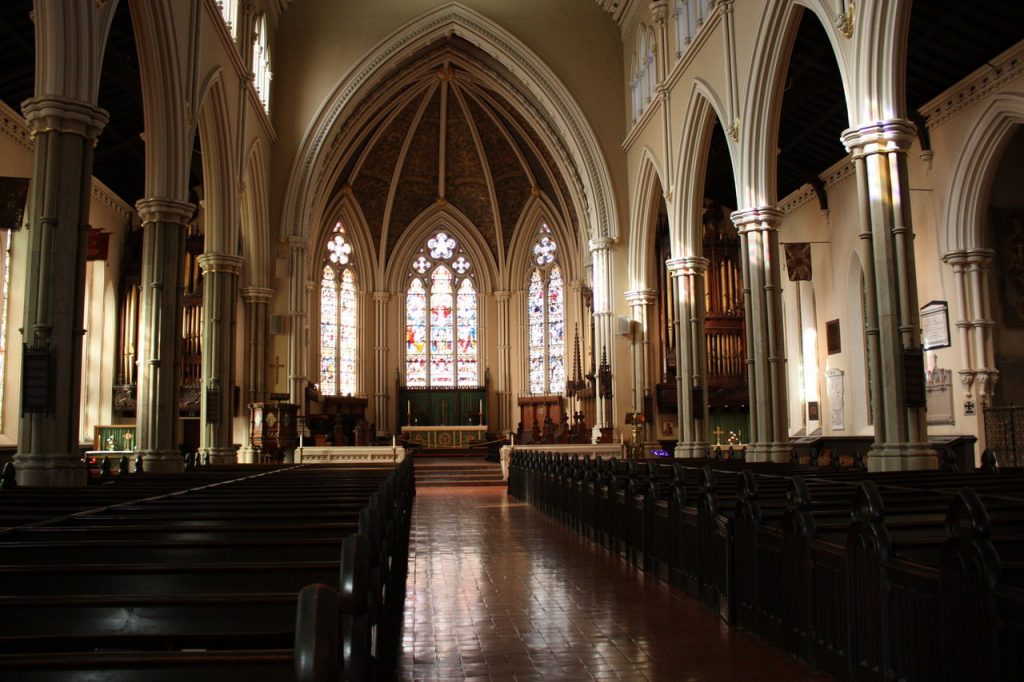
(338, 318)
(441, 311)
(545, 314)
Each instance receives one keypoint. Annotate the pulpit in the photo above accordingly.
(273, 429)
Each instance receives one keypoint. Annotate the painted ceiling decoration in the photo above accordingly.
(447, 134)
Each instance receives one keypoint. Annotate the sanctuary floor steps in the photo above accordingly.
(443, 472)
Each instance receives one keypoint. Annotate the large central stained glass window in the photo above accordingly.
(441, 317)
(338, 318)
(545, 314)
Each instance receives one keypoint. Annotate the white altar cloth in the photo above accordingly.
(349, 454)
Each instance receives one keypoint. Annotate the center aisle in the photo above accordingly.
(497, 591)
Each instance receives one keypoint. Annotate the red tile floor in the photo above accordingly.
(498, 591)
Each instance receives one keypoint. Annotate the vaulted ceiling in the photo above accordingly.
(449, 135)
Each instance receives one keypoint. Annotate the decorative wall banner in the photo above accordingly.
(834, 389)
(798, 261)
(935, 325)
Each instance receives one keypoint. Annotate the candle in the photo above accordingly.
(393, 441)
(513, 437)
(300, 440)
(408, 407)
(481, 411)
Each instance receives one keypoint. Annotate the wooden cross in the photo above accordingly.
(718, 435)
(276, 367)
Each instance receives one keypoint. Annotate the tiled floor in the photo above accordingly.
(497, 591)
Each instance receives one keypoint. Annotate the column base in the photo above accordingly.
(50, 470)
(690, 450)
(902, 457)
(219, 456)
(161, 461)
(780, 453)
(248, 455)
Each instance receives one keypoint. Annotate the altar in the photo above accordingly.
(348, 454)
(444, 436)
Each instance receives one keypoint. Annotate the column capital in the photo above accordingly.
(296, 242)
(639, 297)
(659, 11)
(502, 295)
(601, 244)
(980, 256)
(220, 262)
(59, 114)
(757, 219)
(893, 135)
(256, 294)
(160, 210)
(955, 258)
(381, 296)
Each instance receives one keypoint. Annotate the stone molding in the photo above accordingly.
(159, 210)
(381, 296)
(758, 219)
(600, 244)
(220, 262)
(1000, 71)
(878, 137)
(502, 296)
(62, 115)
(641, 297)
(256, 294)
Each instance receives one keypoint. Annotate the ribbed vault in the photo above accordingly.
(447, 129)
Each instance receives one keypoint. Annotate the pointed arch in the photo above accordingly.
(649, 191)
(557, 118)
(460, 227)
(538, 210)
(220, 177)
(761, 106)
(705, 107)
(976, 161)
(255, 223)
(345, 209)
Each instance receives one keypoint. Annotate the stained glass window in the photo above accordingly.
(545, 315)
(338, 318)
(441, 346)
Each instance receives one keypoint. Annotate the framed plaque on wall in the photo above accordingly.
(935, 325)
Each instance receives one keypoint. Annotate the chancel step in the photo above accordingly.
(439, 472)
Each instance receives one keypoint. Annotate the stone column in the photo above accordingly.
(220, 292)
(957, 260)
(65, 133)
(604, 340)
(766, 362)
(298, 333)
(380, 363)
(986, 374)
(257, 303)
(640, 302)
(160, 316)
(687, 275)
(879, 152)
(503, 396)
